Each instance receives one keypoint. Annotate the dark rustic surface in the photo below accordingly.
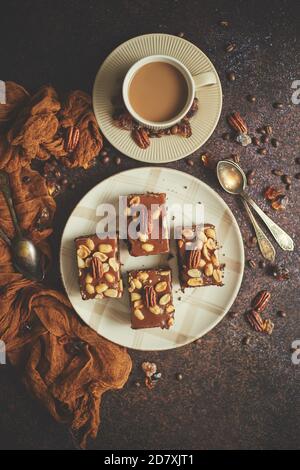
(232, 395)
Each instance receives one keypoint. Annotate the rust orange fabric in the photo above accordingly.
(63, 363)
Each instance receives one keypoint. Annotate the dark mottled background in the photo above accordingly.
(232, 395)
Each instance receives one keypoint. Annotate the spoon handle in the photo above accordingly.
(265, 246)
(283, 239)
(5, 237)
(5, 188)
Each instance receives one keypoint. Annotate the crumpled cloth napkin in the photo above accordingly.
(63, 363)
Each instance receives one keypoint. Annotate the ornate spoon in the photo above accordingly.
(27, 258)
(233, 180)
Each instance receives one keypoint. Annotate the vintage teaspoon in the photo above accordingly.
(265, 246)
(233, 180)
(27, 258)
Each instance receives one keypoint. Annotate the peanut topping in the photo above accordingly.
(208, 269)
(161, 286)
(217, 275)
(194, 272)
(114, 264)
(135, 296)
(110, 277)
(134, 201)
(105, 248)
(90, 289)
(101, 288)
(148, 247)
(195, 281)
(138, 314)
(99, 255)
(83, 251)
(165, 299)
(210, 233)
(111, 293)
(90, 244)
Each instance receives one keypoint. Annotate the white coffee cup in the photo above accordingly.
(193, 83)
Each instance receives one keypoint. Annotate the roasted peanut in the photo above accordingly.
(211, 244)
(165, 299)
(137, 283)
(135, 296)
(195, 281)
(138, 314)
(105, 248)
(101, 256)
(143, 276)
(210, 233)
(217, 275)
(111, 293)
(161, 286)
(134, 201)
(110, 277)
(80, 262)
(156, 310)
(194, 272)
(88, 279)
(208, 270)
(101, 288)
(170, 308)
(148, 247)
(90, 289)
(83, 251)
(90, 244)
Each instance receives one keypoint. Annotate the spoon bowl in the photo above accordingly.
(231, 177)
(27, 259)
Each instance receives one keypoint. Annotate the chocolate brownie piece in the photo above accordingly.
(147, 224)
(151, 298)
(198, 261)
(99, 267)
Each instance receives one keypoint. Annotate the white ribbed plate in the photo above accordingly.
(109, 79)
(197, 310)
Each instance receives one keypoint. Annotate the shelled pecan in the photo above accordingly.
(141, 137)
(237, 123)
(146, 221)
(194, 259)
(255, 320)
(72, 138)
(150, 296)
(97, 268)
(261, 301)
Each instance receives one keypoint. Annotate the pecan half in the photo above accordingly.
(261, 300)
(97, 269)
(150, 296)
(141, 137)
(72, 140)
(194, 259)
(255, 320)
(237, 123)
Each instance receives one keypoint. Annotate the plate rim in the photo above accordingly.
(147, 159)
(234, 293)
